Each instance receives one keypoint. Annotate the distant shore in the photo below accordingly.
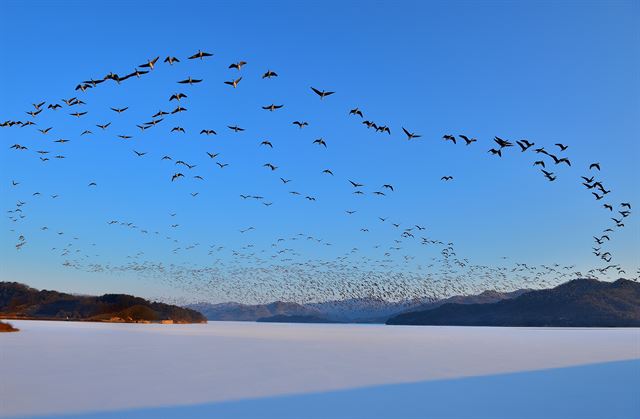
(111, 320)
(7, 327)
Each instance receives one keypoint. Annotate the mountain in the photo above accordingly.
(485, 297)
(577, 303)
(246, 312)
(352, 310)
(294, 319)
(19, 301)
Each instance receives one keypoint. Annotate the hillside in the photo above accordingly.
(22, 302)
(577, 303)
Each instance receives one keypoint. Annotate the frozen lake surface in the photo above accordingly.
(238, 369)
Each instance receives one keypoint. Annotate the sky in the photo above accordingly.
(550, 72)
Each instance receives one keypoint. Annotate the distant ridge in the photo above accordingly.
(577, 303)
(247, 312)
(353, 310)
(18, 301)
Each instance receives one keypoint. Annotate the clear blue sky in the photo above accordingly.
(548, 72)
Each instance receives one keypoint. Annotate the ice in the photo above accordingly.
(68, 367)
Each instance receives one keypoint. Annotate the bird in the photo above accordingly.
(562, 160)
(320, 141)
(238, 65)
(78, 114)
(177, 96)
(549, 175)
(524, 145)
(355, 184)
(269, 74)
(388, 187)
(176, 176)
(103, 126)
(190, 81)
(222, 165)
(213, 155)
(150, 63)
(233, 83)
(562, 146)
(449, 138)
(272, 107)
(34, 113)
(270, 166)
(446, 178)
(467, 140)
(285, 181)
(625, 204)
(178, 129)
(119, 110)
(321, 93)
(208, 132)
(267, 143)
(410, 135)
(502, 143)
(497, 152)
(139, 154)
(594, 166)
(356, 111)
(539, 163)
(300, 124)
(235, 128)
(200, 55)
(171, 60)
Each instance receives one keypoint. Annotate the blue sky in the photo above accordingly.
(544, 71)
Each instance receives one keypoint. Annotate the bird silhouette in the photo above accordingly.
(321, 93)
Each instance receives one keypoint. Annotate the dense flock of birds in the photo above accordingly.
(280, 271)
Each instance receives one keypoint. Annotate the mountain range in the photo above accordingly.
(577, 303)
(355, 310)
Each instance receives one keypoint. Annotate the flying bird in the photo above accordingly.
(272, 107)
(269, 74)
(190, 81)
(200, 55)
(410, 135)
(321, 93)
(238, 65)
(233, 83)
(150, 63)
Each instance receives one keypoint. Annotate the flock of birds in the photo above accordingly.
(279, 271)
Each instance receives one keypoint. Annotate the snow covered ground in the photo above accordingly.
(236, 369)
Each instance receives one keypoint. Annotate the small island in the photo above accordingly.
(7, 327)
(21, 302)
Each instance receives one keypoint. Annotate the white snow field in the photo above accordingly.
(242, 369)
